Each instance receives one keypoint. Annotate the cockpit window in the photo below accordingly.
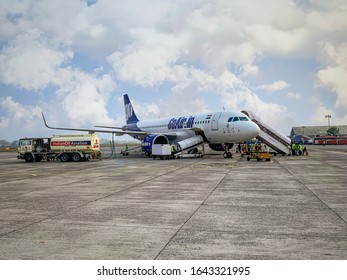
(236, 119)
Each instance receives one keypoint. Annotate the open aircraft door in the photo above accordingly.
(215, 120)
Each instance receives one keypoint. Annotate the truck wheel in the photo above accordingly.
(64, 157)
(225, 155)
(28, 157)
(76, 157)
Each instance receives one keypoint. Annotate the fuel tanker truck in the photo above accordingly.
(64, 147)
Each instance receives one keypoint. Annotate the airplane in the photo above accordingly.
(219, 129)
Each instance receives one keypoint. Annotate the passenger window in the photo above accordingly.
(236, 119)
(230, 119)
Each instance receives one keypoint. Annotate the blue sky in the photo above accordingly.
(284, 60)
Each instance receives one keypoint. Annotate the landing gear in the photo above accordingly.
(227, 154)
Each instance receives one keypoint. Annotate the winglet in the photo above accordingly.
(44, 120)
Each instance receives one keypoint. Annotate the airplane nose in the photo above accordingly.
(253, 130)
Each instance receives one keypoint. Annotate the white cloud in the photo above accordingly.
(334, 74)
(33, 62)
(19, 118)
(275, 86)
(4, 123)
(30, 62)
(84, 98)
(249, 70)
(19, 113)
(319, 112)
(293, 95)
(145, 66)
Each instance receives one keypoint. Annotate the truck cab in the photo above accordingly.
(29, 147)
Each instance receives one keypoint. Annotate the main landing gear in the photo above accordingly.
(227, 154)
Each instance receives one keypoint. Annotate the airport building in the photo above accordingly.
(313, 131)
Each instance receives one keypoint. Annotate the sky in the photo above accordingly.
(284, 60)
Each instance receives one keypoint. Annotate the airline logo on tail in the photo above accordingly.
(128, 111)
(130, 115)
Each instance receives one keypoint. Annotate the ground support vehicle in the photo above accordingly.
(162, 151)
(63, 147)
(257, 152)
(259, 155)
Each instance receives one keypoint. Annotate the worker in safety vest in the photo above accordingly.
(126, 149)
(300, 149)
(293, 149)
(296, 149)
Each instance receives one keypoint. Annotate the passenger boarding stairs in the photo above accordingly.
(190, 145)
(270, 136)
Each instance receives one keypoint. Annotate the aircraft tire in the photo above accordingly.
(225, 155)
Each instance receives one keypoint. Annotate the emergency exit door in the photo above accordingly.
(215, 120)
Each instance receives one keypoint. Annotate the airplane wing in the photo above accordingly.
(117, 132)
(114, 127)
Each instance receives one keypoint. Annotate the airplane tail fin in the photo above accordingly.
(130, 115)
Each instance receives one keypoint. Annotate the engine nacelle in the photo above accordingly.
(149, 140)
(221, 147)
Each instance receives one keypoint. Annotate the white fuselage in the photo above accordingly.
(217, 127)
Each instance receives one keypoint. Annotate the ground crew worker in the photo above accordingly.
(126, 150)
(296, 149)
(293, 149)
(172, 151)
(300, 149)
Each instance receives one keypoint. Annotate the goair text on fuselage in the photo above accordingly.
(181, 122)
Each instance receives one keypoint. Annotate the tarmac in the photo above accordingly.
(211, 208)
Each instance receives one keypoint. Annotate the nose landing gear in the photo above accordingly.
(227, 154)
